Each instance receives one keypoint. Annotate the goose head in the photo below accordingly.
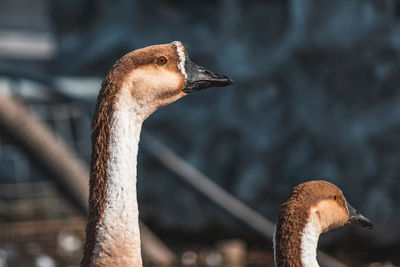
(313, 208)
(327, 206)
(158, 75)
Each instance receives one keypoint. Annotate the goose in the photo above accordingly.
(138, 84)
(314, 207)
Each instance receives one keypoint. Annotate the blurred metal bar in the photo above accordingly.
(61, 166)
(53, 158)
(206, 186)
(217, 194)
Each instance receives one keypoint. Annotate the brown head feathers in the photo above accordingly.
(316, 205)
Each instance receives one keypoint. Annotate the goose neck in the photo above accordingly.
(118, 232)
(112, 234)
(309, 243)
(296, 239)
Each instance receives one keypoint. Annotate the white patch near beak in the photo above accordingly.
(180, 50)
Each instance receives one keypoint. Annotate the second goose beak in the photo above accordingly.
(356, 218)
(198, 78)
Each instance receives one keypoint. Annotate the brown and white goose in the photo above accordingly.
(314, 208)
(138, 84)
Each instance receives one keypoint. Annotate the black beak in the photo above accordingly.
(356, 218)
(198, 78)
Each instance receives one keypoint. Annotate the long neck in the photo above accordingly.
(295, 238)
(112, 234)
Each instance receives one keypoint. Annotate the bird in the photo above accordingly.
(313, 208)
(138, 84)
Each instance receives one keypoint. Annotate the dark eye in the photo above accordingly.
(334, 197)
(161, 60)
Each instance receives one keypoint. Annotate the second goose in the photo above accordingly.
(314, 208)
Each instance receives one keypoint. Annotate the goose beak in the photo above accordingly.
(198, 78)
(356, 218)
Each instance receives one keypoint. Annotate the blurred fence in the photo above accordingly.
(37, 224)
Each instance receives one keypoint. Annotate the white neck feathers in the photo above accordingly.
(118, 237)
(309, 241)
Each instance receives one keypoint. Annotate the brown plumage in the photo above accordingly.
(154, 78)
(101, 130)
(322, 203)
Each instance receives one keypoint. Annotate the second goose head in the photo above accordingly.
(158, 75)
(327, 206)
(314, 208)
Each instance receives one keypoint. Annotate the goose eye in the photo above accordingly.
(334, 197)
(161, 60)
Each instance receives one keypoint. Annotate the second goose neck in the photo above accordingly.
(296, 238)
(309, 243)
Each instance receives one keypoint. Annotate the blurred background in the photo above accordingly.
(316, 97)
